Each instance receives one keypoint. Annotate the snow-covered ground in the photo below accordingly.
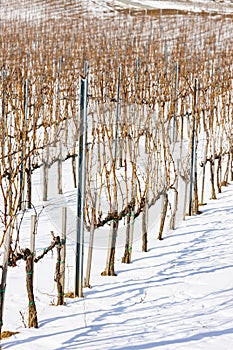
(179, 295)
(183, 5)
(39, 10)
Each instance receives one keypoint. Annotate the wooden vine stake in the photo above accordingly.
(186, 183)
(110, 262)
(45, 176)
(63, 252)
(57, 279)
(130, 228)
(29, 255)
(176, 200)
(145, 225)
(212, 166)
(203, 165)
(60, 265)
(90, 249)
(59, 170)
(163, 215)
(226, 174)
(129, 237)
(32, 313)
(128, 247)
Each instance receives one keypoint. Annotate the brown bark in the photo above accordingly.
(219, 171)
(195, 187)
(226, 174)
(32, 313)
(144, 227)
(29, 186)
(173, 216)
(213, 194)
(58, 274)
(110, 266)
(127, 254)
(74, 170)
(163, 216)
(56, 240)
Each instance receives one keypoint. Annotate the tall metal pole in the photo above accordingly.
(176, 100)
(23, 152)
(117, 115)
(192, 167)
(57, 107)
(78, 290)
(63, 252)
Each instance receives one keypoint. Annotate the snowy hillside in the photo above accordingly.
(190, 5)
(49, 9)
(176, 296)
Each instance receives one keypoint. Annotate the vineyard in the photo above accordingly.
(158, 108)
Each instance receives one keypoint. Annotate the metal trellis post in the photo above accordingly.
(81, 187)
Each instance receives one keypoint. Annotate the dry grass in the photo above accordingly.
(70, 295)
(7, 334)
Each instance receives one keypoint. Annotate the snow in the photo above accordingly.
(183, 5)
(39, 10)
(178, 295)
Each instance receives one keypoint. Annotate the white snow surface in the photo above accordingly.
(178, 295)
(212, 6)
(39, 10)
(192, 5)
